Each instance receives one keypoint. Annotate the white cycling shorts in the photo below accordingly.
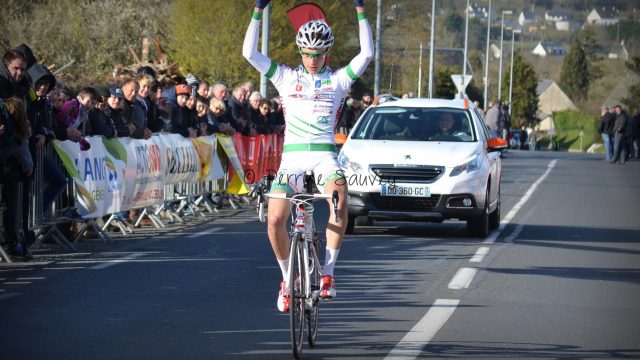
(295, 164)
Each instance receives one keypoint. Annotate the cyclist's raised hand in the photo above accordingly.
(358, 3)
(261, 4)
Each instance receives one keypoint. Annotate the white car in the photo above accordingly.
(423, 160)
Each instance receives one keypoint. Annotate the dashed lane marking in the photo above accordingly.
(421, 334)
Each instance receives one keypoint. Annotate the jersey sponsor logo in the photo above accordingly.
(323, 97)
(322, 106)
(328, 88)
(298, 96)
(322, 119)
(299, 87)
(318, 84)
(326, 81)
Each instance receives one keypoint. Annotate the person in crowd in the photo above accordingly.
(247, 86)
(134, 110)
(619, 136)
(367, 99)
(263, 121)
(505, 120)
(58, 96)
(240, 111)
(524, 138)
(605, 128)
(75, 115)
(348, 114)
(146, 85)
(277, 115)
(492, 119)
(201, 119)
(182, 121)
(630, 131)
(13, 75)
(203, 88)
(113, 112)
(254, 108)
(19, 166)
(218, 117)
(220, 92)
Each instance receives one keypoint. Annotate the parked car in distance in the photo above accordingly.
(423, 160)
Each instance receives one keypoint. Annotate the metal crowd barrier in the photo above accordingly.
(180, 200)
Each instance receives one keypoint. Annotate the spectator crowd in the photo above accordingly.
(36, 108)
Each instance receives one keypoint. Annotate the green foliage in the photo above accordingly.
(444, 86)
(574, 78)
(96, 34)
(568, 125)
(633, 100)
(524, 105)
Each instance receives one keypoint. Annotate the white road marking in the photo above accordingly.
(8, 295)
(462, 279)
(421, 334)
(514, 210)
(205, 232)
(110, 263)
(480, 254)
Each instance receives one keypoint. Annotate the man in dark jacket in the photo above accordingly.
(134, 111)
(13, 79)
(605, 128)
(620, 134)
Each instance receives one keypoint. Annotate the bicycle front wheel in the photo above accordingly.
(313, 304)
(296, 294)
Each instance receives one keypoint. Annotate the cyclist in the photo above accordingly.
(312, 95)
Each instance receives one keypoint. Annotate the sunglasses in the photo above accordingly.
(314, 54)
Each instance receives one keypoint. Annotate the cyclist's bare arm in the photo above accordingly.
(263, 64)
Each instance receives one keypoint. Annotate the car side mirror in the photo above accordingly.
(340, 139)
(496, 144)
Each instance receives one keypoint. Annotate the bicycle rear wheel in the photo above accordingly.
(313, 304)
(296, 294)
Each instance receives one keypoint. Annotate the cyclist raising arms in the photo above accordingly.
(312, 95)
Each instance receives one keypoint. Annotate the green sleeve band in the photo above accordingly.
(351, 74)
(256, 15)
(272, 69)
(362, 16)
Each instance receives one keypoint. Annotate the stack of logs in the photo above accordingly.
(166, 72)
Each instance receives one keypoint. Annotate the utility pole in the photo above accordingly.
(433, 30)
(486, 59)
(376, 85)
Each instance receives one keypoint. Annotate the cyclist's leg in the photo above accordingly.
(332, 179)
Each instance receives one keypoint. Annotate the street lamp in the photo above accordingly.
(511, 72)
(486, 58)
(508, 12)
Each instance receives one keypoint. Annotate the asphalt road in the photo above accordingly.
(559, 279)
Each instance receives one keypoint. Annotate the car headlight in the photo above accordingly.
(469, 166)
(345, 164)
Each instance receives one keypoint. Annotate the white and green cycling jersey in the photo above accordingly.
(311, 102)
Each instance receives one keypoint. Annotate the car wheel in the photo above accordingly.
(494, 217)
(479, 226)
(363, 221)
(351, 224)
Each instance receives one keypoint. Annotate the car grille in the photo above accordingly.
(405, 203)
(409, 174)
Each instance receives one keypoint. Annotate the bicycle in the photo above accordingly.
(304, 264)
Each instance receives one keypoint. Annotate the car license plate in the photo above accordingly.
(405, 190)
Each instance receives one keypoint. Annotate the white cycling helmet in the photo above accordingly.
(315, 34)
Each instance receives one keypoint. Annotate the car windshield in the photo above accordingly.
(416, 124)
